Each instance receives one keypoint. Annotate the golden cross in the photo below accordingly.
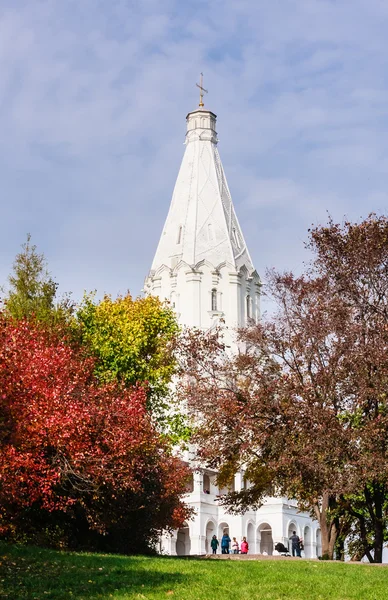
(201, 92)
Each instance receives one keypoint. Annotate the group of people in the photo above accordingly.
(229, 546)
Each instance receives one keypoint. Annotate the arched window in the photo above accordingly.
(214, 299)
(249, 307)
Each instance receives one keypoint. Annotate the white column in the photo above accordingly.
(257, 543)
(172, 544)
(198, 482)
(238, 481)
(197, 540)
(256, 299)
(191, 301)
(235, 300)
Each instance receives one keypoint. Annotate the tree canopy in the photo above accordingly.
(303, 407)
(132, 341)
(32, 293)
(83, 460)
(76, 454)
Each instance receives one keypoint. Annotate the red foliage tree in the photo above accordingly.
(272, 409)
(304, 406)
(354, 259)
(78, 452)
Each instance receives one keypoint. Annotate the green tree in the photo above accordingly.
(132, 341)
(32, 293)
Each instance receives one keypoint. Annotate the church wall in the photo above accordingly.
(202, 296)
(272, 523)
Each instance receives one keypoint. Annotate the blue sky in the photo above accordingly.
(93, 99)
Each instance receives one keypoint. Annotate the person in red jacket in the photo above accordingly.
(244, 546)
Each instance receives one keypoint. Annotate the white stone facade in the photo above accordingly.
(273, 522)
(203, 267)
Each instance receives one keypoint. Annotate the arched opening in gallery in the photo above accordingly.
(307, 542)
(183, 542)
(251, 538)
(264, 535)
(210, 531)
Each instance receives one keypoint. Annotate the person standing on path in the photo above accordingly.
(235, 547)
(225, 543)
(244, 546)
(214, 544)
(295, 541)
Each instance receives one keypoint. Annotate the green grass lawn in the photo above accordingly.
(39, 574)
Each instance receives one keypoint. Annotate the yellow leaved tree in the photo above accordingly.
(132, 341)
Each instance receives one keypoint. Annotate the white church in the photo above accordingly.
(203, 267)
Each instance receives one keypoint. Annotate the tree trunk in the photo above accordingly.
(375, 497)
(329, 530)
(378, 523)
(378, 542)
(328, 538)
(364, 538)
(340, 548)
(344, 525)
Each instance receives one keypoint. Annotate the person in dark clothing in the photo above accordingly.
(214, 544)
(295, 544)
(225, 544)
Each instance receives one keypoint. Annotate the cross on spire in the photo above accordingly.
(202, 90)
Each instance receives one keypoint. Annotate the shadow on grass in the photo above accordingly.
(35, 573)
